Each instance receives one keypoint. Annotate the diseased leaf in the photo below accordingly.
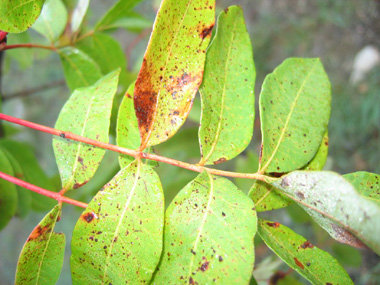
(87, 113)
(209, 231)
(80, 69)
(17, 16)
(320, 157)
(41, 258)
(316, 265)
(366, 183)
(294, 112)
(8, 192)
(120, 10)
(267, 198)
(107, 53)
(52, 21)
(127, 132)
(172, 68)
(118, 238)
(228, 101)
(24, 199)
(78, 14)
(32, 171)
(335, 205)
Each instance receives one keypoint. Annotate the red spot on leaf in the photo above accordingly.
(204, 266)
(37, 232)
(306, 244)
(220, 160)
(206, 32)
(298, 263)
(78, 185)
(273, 225)
(88, 217)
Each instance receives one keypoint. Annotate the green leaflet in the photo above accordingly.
(32, 171)
(172, 68)
(335, 205)
(119, 11)
(52, 21)
(227, 91)
(267, 198)
(41, 258)
(316, 265)
(118, 238)
(8, 192)
(17, 16)
(106, 52)
(294, 112)
(209, 231)
(87, 113)
(367, 184)
(79, 14)
(127, 132)
(320, 157)
(80, 69)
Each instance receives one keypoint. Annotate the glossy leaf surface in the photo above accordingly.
(294, 111)
(52, 20)
(17, 16)
(267, 198)
(32, 171)
(316, 265)
(118, 238)
(120, 10)
(80, 69)
(319, 160)
(87, 113)
(8, 192)
(172, 68)
(78, 14)
(41, 258)
(209, 231)
(228, 101)
(127, 132)
(366, 183)
(335, 205)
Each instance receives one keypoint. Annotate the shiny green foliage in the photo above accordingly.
(16, 16)
(52, 21)
(294, 111)
(172, 68)
(209, 232)
(366, 183)
(78, 14)
(86, 113)
(41, 258)
(228, 101)
(80, 69)
(314, 264)
(118, 238)
(335, 205)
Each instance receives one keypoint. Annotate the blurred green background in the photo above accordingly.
(335, 31)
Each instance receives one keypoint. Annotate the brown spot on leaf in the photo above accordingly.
(78, 185)
(300, 195)
(273, 225)
(220, 160)
(206, 32)
(276, 174)
(191, 280)
(204, 266)
(88, 217)
(306, 244)
(37, 232)
(298, 263)
(344, 236)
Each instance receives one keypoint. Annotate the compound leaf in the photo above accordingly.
(17, 16)
(366, 183)
(294, 111)
(52, 21)
(209, 231)
(228, 101)
(335, 205)
(80, 69)
(41, 258)
(172, 68)
(316, 265)
(87, 113)
(118, 238)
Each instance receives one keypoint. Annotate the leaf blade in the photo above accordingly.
(366, 183)
(172, 68)
(86, 113)
(227, 119)
(78, 14)
(316, 265)
(294, 111)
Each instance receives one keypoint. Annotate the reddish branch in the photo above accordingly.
(39, 190)
(29, 46)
